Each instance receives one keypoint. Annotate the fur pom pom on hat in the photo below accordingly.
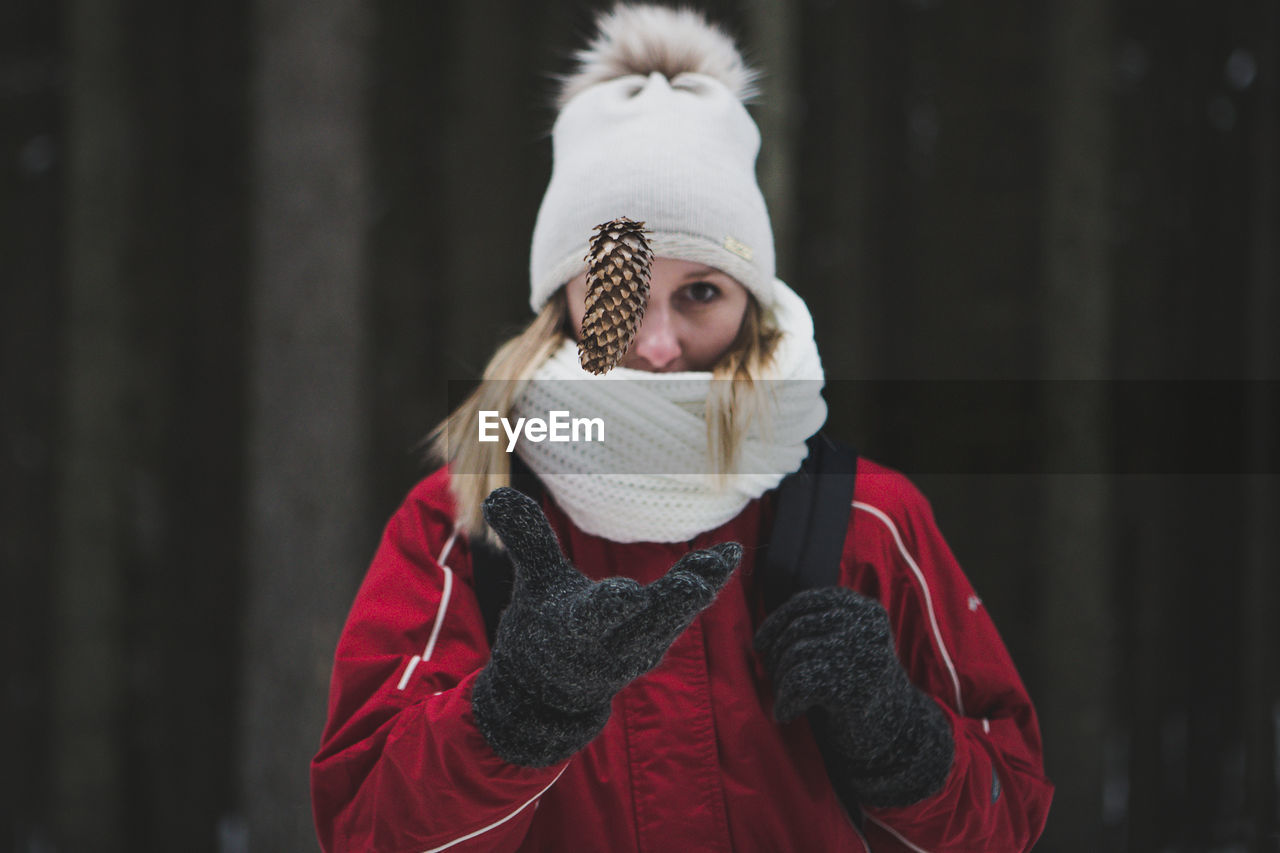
(652, 127)
(644, 39)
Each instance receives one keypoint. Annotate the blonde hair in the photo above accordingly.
(476, 469)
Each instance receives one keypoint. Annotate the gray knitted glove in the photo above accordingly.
(566, 645)
(830, 653)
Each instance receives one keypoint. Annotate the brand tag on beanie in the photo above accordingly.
(739, 248)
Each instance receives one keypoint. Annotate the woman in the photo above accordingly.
(636, 695)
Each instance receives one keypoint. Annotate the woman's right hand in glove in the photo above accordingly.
(566, 644)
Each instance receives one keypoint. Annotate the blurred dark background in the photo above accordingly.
(245, 244)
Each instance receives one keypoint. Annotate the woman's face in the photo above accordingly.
(692, 318)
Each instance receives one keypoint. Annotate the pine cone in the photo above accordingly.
(617, 291)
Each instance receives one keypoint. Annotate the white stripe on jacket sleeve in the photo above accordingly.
(928, 598)
(441, 610)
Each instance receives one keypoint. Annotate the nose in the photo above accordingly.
(656, 344)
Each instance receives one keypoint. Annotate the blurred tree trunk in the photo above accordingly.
(147, 545)
(774, 30)
(308, 536)
(408, 242)
(494, 121)
(850, 205)
(31, 187)
(1261, 676)
(105, 372)
(1077, 640)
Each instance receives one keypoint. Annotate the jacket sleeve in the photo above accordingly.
(996, 796)
(401, 765)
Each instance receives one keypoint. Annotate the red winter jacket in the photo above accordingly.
(691, 759)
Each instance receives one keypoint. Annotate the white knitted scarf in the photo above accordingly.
(650, 480)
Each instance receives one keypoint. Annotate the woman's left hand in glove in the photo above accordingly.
(830, 653)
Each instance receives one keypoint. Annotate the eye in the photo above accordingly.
(701, 292)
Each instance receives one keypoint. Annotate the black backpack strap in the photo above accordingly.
(491, 571)
(810, 522)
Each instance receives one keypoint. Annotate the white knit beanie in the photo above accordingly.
(652, 126)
